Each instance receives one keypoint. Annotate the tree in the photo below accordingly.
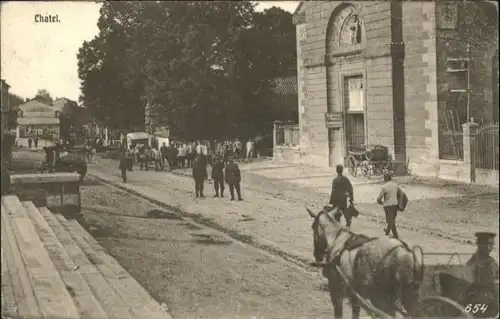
(199, 66)
(14, 102)
(44, 97)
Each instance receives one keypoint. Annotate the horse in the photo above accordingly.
(383, 271)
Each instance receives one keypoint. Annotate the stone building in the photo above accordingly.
(5, 105)
(394, 73)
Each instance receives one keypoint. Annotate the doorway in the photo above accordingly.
(354, 113)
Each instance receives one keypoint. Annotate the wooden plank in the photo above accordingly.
(38, 178)
(27, 306)
(86, 304)
(139, 300)
(51, 294)
(110, 301)
(9, 307)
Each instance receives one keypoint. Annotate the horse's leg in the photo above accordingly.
(336, 292)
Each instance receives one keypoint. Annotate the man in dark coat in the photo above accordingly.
(164, 153)
(199, 175)
(49, 159)
(341, 190)
(124, 165)
(233, 178)
(218, 176)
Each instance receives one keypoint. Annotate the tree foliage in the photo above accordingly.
(201, 67)
(14, 102)
(44, 96)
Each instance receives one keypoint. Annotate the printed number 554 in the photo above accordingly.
(475, 308)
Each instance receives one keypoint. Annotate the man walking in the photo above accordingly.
(199, 175)
(389, 197)
(233, 178)
(218, 176)
(341, 191)
(164, 154)
(249, 147)
(129, 154)
(124, 165)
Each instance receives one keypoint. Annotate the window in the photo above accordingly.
(354, 88)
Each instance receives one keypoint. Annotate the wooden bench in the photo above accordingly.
(53, 268)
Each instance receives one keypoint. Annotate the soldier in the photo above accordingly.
(484, 267)
(233, 178)
(124, 165)
(199, 175)
(484, 292)
(218, 176)
(341, 189)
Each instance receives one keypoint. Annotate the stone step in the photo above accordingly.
(52, 297)
(112, 304)
(83, 297)
(9, 307)
(138, 299)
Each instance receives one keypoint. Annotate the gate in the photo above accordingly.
(486, 150)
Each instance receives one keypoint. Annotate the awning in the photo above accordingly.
(137, 136)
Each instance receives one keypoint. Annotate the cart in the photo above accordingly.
(450, 290)
(374, 160)
(447, 291)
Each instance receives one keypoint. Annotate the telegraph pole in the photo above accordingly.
(469, 89)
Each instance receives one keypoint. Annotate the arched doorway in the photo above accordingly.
(345, 36)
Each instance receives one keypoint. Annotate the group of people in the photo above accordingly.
(33, 141)
(391, 197)
(221, 156)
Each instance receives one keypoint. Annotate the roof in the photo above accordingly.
(59, 103)
(284, 85)
(38, 121)
(35, 106)
(137, 135)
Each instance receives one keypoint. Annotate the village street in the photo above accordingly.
(212, 257)
(440, 218)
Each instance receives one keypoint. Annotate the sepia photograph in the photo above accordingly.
(249, 159)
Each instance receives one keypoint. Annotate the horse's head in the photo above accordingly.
(322, 225)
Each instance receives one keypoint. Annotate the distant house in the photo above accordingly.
(35, 117)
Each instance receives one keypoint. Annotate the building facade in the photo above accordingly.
(5, 105)
(393, 73)
(37, 118)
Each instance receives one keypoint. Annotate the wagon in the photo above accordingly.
(448, 290)
(374, 160)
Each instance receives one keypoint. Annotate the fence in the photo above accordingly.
(486, 149)
(287, 135)
(451, 146)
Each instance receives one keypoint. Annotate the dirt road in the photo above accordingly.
(197, 271)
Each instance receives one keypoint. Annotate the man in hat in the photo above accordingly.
(341, 191)
(218, 176)
(484, 267)
(233, 178)
(389, 198)
(199, 174)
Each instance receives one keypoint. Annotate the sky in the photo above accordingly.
(43, 55)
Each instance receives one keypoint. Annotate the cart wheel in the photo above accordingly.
(352, 166)
(365, 169)
(440, 307)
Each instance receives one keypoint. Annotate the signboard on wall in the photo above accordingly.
(447, 15)
(334, 120)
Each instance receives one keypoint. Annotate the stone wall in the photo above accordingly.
(419, 30)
